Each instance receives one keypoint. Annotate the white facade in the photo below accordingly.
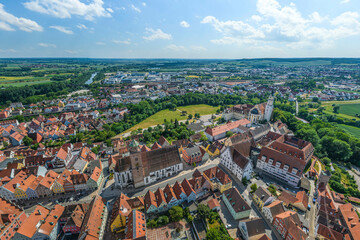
(79, 187)
(163, 173)
(227, 160)
(289, 177)
(269, 108)
(267, 213)
(122, 179)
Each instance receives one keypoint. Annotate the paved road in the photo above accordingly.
(245, 193)
(108, 194)
(312, 211)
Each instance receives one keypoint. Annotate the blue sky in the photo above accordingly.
(179, 28)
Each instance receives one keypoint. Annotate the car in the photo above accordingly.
(314, 200)
(228, 226)
(309, 207)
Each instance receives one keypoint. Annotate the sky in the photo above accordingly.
(230, 29)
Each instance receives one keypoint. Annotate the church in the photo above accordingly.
(255, 113)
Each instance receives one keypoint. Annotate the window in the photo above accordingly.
(263, 158)
(294, 170)
(271, 160)
(278, 164)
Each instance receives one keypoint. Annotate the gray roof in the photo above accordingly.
(79, 164)
(260, 131)
(305, 184)
(255, 226)
(262, 193)
(193, 150)
(196, 127)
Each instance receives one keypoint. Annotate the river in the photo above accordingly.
(91, 78)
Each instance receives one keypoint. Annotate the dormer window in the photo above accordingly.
(271, 160)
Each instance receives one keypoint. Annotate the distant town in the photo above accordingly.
(180, 149)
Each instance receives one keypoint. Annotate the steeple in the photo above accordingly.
(269, 108)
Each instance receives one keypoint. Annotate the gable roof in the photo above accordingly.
(236, 200)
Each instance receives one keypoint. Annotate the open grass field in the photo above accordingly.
(348, 109)
(22, 81)
(158, 118)
(350, 129)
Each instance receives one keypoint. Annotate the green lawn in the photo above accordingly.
(158, 118)
(350, 129)
(350, 109)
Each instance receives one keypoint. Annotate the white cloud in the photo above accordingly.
(156, 34)
(110, 10)
(135, 8)
(81, 26)
(47, 45)
(122, 41)
(144, 4)
(62, 29)
(184, 24)
(100, 43)
(68, 8)
(9, 21)
(71, 51)
(285, 24)
(8, 50)
(174, 47)
(256, 18)
(344, 1)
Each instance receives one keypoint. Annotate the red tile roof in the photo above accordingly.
(226, 127)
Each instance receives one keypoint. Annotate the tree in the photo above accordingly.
(229, 133)
(176, 213)
(190, 116)
(162, 220)
(244, 181)
(315, 99)
(253, 187)
(27, 141)
(203, 211)
(336, 109)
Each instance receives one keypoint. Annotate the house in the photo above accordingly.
(170, 196)
(350, 219)
(214, 204)
(136, 226)
(94, 222)
(72, 217)
(236, 158)
(262, 197)
(285, 158)
(80, 181)
(150, 203)
(218, 179)
(236, 204)
(16, 138)
(43, 223)
(12, 218)
(62, 158)
(119, 213)
(252, 229)
(273, 209)
(193, 154)
(300, 201)
(95, 179)
(219, 132)
(288, 225)
(179, 192)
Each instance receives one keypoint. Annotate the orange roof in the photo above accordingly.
(96, 174)
(213, 203)
(351, 219)
(62, 154)
(16, 181)
(47, 182)
(93, 219)
(227, 127)
(136, 227)
(51, 220)
(28, 228)
(27, 183)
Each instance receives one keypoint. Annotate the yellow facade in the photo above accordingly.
(20, 194)
(119, 224)
(258, 201)
(214, 154)
(57, 188)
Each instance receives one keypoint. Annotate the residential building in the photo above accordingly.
(219, 132)
(262, 197)
(273, 209)
(136, 226)
(12, 219)
(350, 219)
(236, 204)
(285, 158)
(252, 229)
(218, 179)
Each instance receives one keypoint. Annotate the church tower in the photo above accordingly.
(269, 108)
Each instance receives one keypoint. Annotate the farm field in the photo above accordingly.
(22, 81)
(348, 109)
(350, 129)
(158, 118)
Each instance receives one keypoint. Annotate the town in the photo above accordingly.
(214, 151)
